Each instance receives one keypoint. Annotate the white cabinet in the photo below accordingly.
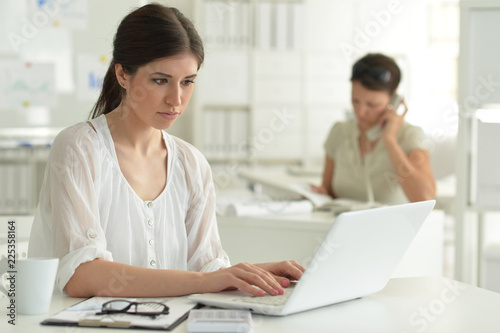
(21, 175)
(479, 74)
(252, 82)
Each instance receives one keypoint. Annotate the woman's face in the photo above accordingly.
(159, 92)
(369, 105)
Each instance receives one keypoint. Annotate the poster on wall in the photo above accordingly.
(25, 84)
(53, 46)
(71, 14)
(91, 69)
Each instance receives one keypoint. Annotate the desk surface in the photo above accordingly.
(405, 305)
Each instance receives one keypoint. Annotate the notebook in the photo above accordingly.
(356, 258)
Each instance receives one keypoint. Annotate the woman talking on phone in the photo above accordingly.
(377, 156)
(128, 208)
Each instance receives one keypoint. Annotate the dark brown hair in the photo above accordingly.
(148, 33)
(376, 71)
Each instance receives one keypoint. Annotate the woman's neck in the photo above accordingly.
(130, 132)
(365, 146)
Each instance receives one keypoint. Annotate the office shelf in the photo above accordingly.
(478, 63)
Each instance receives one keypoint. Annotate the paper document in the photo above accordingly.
(320, 201)
(268, 208)
(84, 314)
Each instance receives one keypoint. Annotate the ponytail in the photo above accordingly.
(111, 94)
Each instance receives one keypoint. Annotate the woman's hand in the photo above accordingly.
(392, 121)
(255, 279)
(319, 189)
(250, 278)
(283, 271)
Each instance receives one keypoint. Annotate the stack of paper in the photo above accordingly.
(269, 208)
(319, 201)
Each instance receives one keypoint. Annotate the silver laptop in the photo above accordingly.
(356, 258)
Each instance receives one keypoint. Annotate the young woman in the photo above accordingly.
(129, 209)
(377, 156)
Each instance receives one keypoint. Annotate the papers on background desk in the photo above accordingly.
(300, 188)
(325, 202)
(268, 208)
(243, 202)
(84, 314)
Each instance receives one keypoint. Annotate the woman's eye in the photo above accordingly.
(187, 82)
(160, 81)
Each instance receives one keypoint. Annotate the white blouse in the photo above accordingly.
(353, 177)
(88, 210)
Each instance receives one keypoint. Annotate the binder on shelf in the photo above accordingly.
(206, 137)
(290, 26)
(218, 134)
(299, 10)
(282, 29)
(263, 26)
(245, 37)
(225, 133)
(232, 25)
(238, 133)
(227, 24)
(11, 188)
(25, 189)
(18, 174)
(3, 184)
(214, 28)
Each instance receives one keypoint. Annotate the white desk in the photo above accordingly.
(284, 237)
(406, 305)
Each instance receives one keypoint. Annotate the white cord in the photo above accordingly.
(369, 187)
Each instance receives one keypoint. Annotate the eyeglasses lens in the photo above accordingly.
(116, 305)
(140, 308)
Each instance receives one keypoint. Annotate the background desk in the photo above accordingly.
(284, 237)
(406, 305)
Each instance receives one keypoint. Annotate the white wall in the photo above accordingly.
(333, 29)
(61, 46)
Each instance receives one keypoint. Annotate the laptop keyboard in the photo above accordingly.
(266, 299)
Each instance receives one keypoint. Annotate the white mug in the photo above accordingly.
(29, 284)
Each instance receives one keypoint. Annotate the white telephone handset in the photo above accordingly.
(375, 132)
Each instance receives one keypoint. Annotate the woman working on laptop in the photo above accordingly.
(377, 156)
(128, 208)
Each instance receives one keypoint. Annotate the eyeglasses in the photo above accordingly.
(151, 309)
(379, 74)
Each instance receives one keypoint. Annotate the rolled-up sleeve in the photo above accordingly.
(412, 138)
(66, 224)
